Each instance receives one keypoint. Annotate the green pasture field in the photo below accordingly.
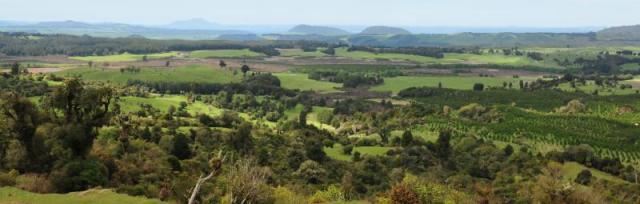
(396, 84)
(302, 82)
(191, 73)
(162, 103)
(312, 118)
(591, 87)
(11, 195)
(126, 57)
(449, 58)
(300, 53)
(335, 152)
(572, 169)
(246, 53)
(630, 67)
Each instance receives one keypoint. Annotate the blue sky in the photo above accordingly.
(476, 13)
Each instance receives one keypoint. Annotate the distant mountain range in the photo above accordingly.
(198, 29)
(384, 30)
(620, 33)
(120, 30)
(317, 30)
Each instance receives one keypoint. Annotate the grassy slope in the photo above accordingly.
(302, 82)
(572, 169)
(126, 57)
(193, 73)
(132, 104)
(335, 152)
(591, 87)
(9, 195)
(397, 84)
(225, 54)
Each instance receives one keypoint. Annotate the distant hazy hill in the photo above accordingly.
(317, 30)
(193, 24)
(620, 33)
(384, 30)
(116, 30)
(239, 37)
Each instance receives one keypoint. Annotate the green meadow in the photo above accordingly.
(396, 84)
(591, 87)
(336, 153)
(126, 57)
(302, 82)
(246, 53)
(10, 195)
(162, 103)
(191, 73)
(449, 58)
(300, 53)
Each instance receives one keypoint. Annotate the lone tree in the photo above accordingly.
(145, 58)
(167, 64)
(245, 68)
(15, 68)
(329, 51)
(222, 64)
(215, 167)
(407, 138)
(478, 87)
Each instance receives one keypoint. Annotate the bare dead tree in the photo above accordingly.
(215, 165)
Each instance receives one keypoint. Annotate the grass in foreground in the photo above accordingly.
(192, 73)
(10, 195)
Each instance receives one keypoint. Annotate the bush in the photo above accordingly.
(584, 177)
(37, 183)
(80, 175)
(479, 113)
(347, 149)
(332, 194)
(573, 107)
(8, 179)
(402, 193)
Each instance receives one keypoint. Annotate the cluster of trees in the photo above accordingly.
(349, 80)
(79, 138)
(21, 44)
(436, 52)
(256, 84)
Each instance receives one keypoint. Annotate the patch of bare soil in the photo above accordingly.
(43, 70)
(335, 60)
(58, 59)
(255, 65)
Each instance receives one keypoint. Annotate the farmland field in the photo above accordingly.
(397, 84)
(225, 54)
(302, 82)
(126, 57)
(192, 73)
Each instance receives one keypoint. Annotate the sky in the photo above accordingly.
(472, 13)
